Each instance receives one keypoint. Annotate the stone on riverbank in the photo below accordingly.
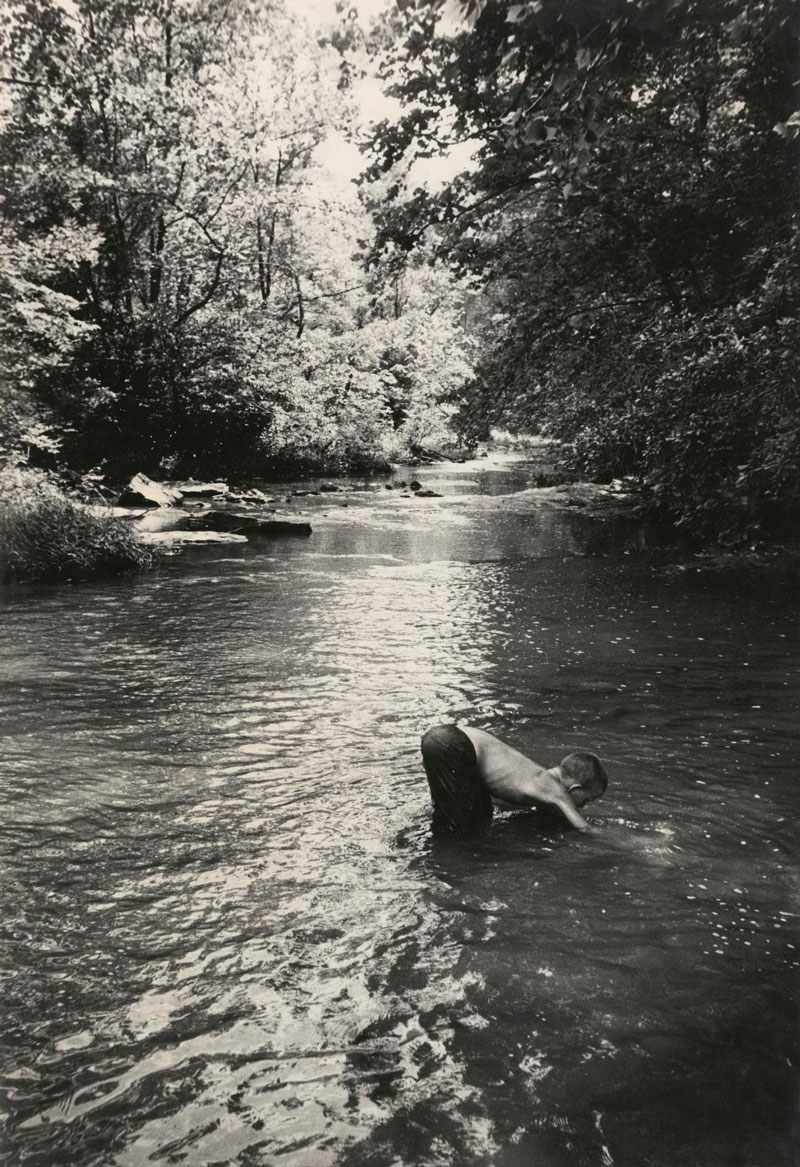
(141, 491)
(594, 498)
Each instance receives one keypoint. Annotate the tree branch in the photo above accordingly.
(330, 295)
(28, 84)
(207, 295)
(605, 308)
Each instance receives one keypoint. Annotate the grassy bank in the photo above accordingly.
(47, 535)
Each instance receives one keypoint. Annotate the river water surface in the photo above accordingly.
(231, 938)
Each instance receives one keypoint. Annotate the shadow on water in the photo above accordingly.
(581, 1037)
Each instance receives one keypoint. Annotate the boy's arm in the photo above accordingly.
(541, 789)
(573, 816)
(551, 793)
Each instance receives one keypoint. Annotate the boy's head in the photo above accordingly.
(583, 777)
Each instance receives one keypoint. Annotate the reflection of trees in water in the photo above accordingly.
(519, 1042)
(612, 535)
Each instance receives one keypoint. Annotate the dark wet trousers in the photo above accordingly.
(462, 804)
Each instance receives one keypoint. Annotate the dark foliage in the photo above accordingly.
(633, 220)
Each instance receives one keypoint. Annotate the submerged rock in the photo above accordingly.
(248, 497)
(192, 489)
(427, 494)
(104, 511)
(163, 519)
(141, 491)
(587, 498)
(248, 523)
(174, 538)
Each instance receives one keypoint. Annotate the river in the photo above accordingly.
(230, 937)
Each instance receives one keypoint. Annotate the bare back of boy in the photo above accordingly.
(514, 781)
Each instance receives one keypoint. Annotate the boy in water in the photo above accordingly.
(469, 770)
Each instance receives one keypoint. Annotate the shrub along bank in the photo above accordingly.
(47, 535)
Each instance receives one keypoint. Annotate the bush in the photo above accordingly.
(48, 536)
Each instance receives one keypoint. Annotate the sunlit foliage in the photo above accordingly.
(186, 284)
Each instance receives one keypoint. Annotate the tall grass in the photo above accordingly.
(46, 535)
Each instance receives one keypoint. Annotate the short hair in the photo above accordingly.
(584, 769)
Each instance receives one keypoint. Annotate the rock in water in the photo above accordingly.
(193, 489)
(104, 511)
(143, 492)
(249, 524)
(164, 519)
(269, 527)
(173, 538)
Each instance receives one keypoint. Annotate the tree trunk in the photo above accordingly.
(265, 252)
(301, 315)
(158, 233)
(263, 284)
(157, 236)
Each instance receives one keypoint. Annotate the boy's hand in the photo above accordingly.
(572, 815)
